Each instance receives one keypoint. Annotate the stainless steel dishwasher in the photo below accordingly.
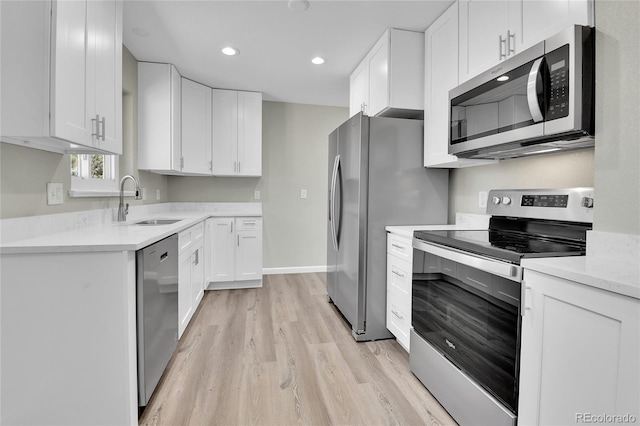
(157, 312)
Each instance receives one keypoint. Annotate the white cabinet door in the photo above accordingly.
(185, 299)
(237, 133)
(225, 132)
(580, 352)
(378, 66)
(159, 117)
(483, 35)
(249, 255)
(534, 21)
(70, 118)
(359, 89)
(196, 128)
(197, 274)
(441, 65)
(104, 68)
(222, 253)
(249, 134)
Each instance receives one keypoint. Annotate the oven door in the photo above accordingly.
(471, 317)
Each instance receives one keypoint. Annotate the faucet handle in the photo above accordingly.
(126, 209)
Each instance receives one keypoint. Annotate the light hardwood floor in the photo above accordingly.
(283, 355)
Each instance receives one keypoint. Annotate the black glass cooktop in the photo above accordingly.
(510, 246)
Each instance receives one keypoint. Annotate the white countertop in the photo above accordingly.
(606, 274)
(119, 236)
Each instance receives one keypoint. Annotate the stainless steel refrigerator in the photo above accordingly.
(376, 179)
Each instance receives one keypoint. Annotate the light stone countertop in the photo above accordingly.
(111, 235)
(606, 274)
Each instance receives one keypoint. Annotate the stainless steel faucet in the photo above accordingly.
(122, 208)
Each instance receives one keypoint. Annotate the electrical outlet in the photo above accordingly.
(482, 199)
(157, 194)
(256, 195)
(303, 193)
(54, 193)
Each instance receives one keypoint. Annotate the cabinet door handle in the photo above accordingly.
(232, 227)
(238, 240)
(96, 122)
(396, 273)
(511, 50)
(523, 298)
(397, 315)
(502, 42)
(104, 127)
(197, 257)
(397, 246)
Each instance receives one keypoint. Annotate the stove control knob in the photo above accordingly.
(495, 200)
(506, 200)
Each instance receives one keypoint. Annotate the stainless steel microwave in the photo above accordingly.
(540, 100)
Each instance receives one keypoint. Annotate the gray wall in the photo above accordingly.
(25, 172)
(613, 168)
(294, 157)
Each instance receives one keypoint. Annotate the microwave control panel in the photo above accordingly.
(558, 65)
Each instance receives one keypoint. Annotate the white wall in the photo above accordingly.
(613, 167)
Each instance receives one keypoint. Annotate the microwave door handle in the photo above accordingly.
(532, 91)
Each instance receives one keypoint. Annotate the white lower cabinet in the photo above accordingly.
(235, 252)
(580, 355)
(399, 276)
(190, 273)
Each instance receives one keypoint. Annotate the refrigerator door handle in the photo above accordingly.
(332, 202)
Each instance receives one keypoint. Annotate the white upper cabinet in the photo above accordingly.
(196, 128)
(237, 133)
(494, 30)
(441, 65)
(62, 75)
(159, 118)
(389, 81)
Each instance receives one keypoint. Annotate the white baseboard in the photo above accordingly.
(295, 270)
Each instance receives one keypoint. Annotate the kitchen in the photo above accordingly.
(289, 166)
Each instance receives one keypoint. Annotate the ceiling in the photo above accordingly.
(276, 42)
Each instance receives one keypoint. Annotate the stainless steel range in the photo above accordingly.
(465, 337)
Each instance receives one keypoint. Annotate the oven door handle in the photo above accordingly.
(495, 267)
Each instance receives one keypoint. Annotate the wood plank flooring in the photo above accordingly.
(283, 355)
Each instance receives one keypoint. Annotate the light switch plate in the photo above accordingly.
(482, 199)
(303, 193)
(256, 195)
(54, 193)
(157, 194)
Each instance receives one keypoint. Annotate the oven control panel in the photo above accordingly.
(572, 204)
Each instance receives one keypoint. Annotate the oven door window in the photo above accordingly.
(500, 105)
(477, 334)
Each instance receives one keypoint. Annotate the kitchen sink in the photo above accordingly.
(152, 222)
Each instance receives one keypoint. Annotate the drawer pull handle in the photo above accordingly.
(397, 315)
(398, 274)
(398, 247)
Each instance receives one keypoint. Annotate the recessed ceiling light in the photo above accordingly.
(503, 78)
(230, 51)
(298, 5)
(317, 60)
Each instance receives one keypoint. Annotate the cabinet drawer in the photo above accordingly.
(399, 276)
(189, 236)
(400, 247)
(248, 223)
(399, 318)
